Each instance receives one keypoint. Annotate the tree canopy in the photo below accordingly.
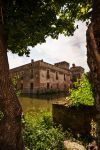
(31, 22)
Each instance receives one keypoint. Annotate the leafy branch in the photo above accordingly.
(82, 93)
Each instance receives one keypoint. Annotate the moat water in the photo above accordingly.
(37, 104)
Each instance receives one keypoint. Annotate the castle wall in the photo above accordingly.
(41, 77)
(53, 78)
(77, 72)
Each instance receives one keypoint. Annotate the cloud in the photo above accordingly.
(70, 49)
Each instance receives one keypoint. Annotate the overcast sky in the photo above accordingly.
(70, 49)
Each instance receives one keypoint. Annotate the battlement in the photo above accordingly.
(62, 64)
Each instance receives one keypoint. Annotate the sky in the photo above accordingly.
(71, 49)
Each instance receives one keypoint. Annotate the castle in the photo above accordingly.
(41, 77)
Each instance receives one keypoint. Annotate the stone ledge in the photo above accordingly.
(76, 119)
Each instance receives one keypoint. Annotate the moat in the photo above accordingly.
(37, 104)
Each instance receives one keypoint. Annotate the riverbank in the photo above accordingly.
(48, 96)
(36, 104)
(39, 132)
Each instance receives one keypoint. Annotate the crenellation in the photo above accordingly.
(63, 65)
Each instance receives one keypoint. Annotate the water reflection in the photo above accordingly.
(37, 104)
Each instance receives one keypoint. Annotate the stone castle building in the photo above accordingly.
(76, 72)
(41, 77)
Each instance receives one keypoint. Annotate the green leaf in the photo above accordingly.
(82, 93)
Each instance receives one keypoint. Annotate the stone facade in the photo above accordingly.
(76, 72)
(41, 77)
(76, 119)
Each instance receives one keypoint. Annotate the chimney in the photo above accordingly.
(73, 65)
(32, 60)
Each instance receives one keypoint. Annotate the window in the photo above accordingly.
(64, 77)
(21, 86)
(31, 86)
(48, 74)
(48, 85)
(56, 75)
(31, 76)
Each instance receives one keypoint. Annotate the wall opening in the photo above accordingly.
(31, 86)
(48, 85)
(48, 74)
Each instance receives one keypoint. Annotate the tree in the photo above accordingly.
(23, 23)
(93, 54)
(26, 23)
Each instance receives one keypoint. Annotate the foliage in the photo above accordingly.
(31, 22)
(82, 93)
(40, 134)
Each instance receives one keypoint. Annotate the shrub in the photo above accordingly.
(40, 134)
(82, 93)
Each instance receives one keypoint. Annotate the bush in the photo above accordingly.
(40, 134)
(82, 93)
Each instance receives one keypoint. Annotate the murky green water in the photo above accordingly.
(37, 104)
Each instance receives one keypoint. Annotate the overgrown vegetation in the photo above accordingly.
(81, 93)
(40, 133)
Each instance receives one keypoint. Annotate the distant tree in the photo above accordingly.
(27, 23)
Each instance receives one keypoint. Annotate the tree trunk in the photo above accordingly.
(93, 54)
(10, 124)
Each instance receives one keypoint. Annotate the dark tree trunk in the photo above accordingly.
(10, 125)
(93, 54)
